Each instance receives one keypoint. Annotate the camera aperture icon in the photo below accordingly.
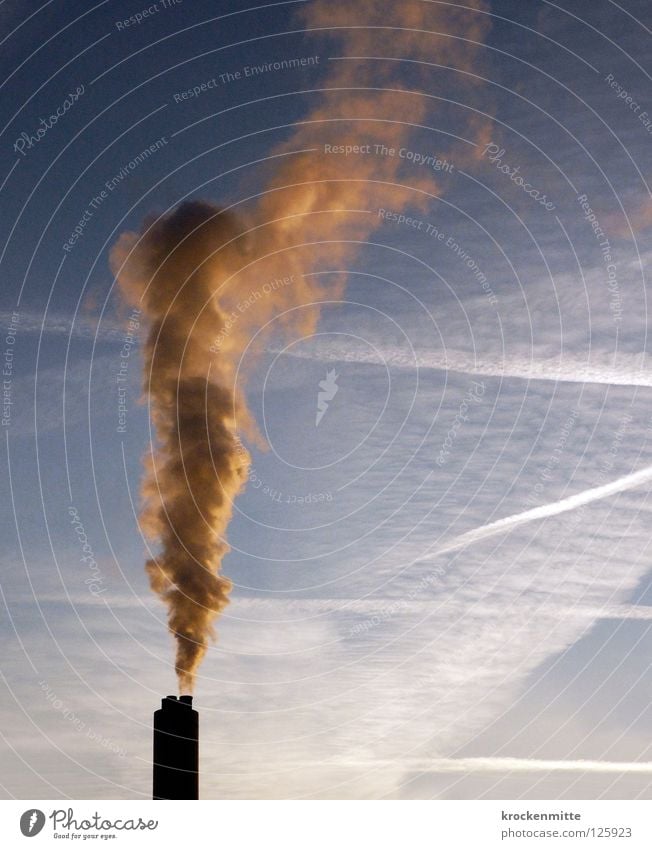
(328, 390)
(31, 822)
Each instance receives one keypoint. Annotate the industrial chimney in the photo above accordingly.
(176, 750)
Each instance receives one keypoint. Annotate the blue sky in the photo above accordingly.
(367, 652)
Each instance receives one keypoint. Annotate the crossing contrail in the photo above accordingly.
(564, 505)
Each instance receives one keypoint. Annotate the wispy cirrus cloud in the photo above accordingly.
(57, 324)
(621, 369)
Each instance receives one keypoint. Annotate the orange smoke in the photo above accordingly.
(639, 219)
(190, 270)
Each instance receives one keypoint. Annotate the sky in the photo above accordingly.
(440, 559)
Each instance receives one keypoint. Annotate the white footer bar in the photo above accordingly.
(325, 824)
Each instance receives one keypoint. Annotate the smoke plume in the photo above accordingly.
(190, 271)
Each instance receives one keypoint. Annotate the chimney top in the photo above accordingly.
(174, 702)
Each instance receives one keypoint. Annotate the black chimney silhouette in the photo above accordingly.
(176, 750)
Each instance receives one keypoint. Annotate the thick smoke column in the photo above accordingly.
(188, 270)
(197, 467)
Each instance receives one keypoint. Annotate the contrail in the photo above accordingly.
(207, 281)
(621, 370)
(468, 765)
(84, 327)
(573, 502)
